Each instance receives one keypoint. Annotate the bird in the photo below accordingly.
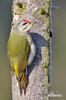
(21, 52)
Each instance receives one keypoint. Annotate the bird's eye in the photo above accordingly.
(24, 23)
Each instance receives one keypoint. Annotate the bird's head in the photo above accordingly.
(24, 26)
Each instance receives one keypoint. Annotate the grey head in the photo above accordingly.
(24, 26)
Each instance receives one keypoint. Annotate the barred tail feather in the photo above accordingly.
(23, 83)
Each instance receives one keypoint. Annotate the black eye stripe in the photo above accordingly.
(24, 23)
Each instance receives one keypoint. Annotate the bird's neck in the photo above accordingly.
(21, 33)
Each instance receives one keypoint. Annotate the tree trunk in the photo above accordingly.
(34, 10)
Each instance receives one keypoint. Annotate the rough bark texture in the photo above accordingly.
(34, 10)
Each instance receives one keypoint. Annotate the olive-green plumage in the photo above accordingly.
(18, 51)
(21, 51)
(17, 45)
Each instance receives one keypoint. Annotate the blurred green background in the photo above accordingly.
(5, 22)
(58, 47)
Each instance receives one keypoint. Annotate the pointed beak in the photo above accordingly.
(32, 23)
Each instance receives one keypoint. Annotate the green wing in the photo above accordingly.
(18, 47)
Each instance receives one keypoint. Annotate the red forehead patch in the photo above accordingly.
(26, 21)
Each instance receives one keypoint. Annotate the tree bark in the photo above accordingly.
(34, 10)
